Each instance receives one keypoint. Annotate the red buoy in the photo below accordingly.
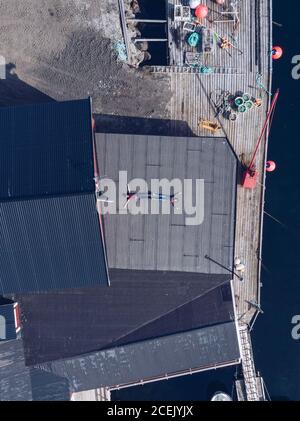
(277, 52)
(271, 166)
(201, 11)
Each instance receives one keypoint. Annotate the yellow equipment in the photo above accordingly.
(225, 43)
(257, 102)
(209, 125)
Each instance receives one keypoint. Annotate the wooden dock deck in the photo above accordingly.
(191, 100)
(102, 394)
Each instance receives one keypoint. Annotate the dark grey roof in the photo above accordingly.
(170, 355)
(21, 383)
(50, 243)
(14, 376)
(168, 324)
(165, 242)
(174, 354)
(50, 236)
(7, 322)
(46, 149)
(168, 310)
(134, 308)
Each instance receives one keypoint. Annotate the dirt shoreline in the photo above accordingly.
(65, 49)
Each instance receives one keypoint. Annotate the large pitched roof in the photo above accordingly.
(169, 310)
(166, 242)
(133, 310)
(50, 233)
(153, 359)
(176, 354)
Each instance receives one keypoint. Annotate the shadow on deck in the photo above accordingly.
(14, 91)
(144, 126)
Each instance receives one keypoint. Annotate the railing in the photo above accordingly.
(250, 377)
(194, 69)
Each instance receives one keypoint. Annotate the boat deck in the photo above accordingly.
(193, 98)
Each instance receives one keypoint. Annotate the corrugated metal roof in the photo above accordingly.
(50, 243)
(50, 235)
(7, 322)
(46, 149)
(165, 242)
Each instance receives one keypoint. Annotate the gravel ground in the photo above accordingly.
(64, 49)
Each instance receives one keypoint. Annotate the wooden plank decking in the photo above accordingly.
(191, 101)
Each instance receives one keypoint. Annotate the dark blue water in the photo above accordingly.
(277, 355)
(196, 387)
(158, 50)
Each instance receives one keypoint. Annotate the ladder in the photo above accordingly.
(249, 372)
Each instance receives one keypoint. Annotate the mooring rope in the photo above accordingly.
(261, 85)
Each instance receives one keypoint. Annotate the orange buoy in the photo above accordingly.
(271, 166)
(201, 11)
(277, 52)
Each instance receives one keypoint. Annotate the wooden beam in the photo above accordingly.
(151, 40)
(146, 20)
